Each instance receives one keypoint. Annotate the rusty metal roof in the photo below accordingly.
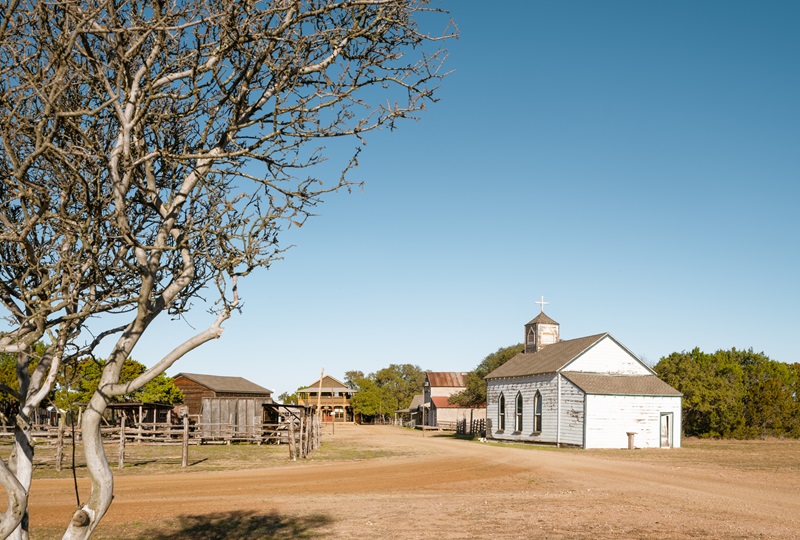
(620, 385)
(443, 402)
(451, 379)
(547, 360)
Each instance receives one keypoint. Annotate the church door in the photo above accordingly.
(666, 430)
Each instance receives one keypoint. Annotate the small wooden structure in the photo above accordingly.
(196, 387)
(233, 418)
(136, 412)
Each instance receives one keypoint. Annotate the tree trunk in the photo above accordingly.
(86, 518)
(185, 447)
(21, 462)
(12, 519)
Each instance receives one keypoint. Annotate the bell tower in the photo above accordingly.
(541, 331)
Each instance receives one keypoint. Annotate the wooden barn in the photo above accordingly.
(196, 387)
(589, 392)
(438, 411)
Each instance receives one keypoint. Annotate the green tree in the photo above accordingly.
(474, 395)
(399, 384)
(385, 391)
(367, 401)
(734, 393)
(287, 398)
(79, 382)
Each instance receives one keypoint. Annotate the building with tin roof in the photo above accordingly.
(590, 392)
(437, 409)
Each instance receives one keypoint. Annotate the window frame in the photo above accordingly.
(537, 412)
(518, 410)
(501, 413)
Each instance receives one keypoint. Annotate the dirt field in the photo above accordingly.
(445, 488)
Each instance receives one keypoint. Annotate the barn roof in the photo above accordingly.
(547, 360)
(416, 403)
(222, 383)
(443, 402)
(620, 385)
(329, 384)
(447, 378)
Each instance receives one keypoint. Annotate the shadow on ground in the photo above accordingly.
(239, 525)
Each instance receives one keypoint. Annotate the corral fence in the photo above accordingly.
(471, 429)
(296, 427)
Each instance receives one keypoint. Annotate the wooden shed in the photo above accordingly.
(196, 387)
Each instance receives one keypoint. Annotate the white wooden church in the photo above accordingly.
(590, 392)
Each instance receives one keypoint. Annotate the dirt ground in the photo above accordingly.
(446, 488)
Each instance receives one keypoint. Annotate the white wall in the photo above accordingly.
(608, 357)
(547, 386)
(610, 418)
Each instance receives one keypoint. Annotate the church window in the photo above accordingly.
(501, 408)
(518, 413)
(537, 412)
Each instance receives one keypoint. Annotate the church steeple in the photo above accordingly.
(541, 331)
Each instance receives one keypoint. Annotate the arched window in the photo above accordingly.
(501, 412)
(537, 412)
(518, 413)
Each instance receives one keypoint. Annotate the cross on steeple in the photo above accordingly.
(541, 303)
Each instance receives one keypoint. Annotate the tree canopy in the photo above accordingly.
(475, 393)
(385, 391)
(735, 393)
(78, 382)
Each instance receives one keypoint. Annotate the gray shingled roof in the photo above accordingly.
(620, 385)
(416, 403)
(548, 360)
(221, 383)
(542, 319)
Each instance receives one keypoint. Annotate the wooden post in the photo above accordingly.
(60, 443)
(185, 454)
(121, 459)
(319, 392)
(292, 452)
(301, 450)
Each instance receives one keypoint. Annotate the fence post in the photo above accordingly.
(292, 453)
(121, 459)
(302, 435)
(185, 453)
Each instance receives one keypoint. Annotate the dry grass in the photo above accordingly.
(760, 455)
(150, 459)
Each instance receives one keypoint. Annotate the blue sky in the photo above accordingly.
(636, 163)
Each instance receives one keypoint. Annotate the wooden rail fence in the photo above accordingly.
(302, 433)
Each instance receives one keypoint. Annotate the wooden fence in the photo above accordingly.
(476, 427)
(301, 432)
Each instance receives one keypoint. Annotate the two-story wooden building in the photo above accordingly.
(330, 396)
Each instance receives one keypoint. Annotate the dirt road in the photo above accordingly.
(443, 488)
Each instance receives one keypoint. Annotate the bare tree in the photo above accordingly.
(152, 151)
